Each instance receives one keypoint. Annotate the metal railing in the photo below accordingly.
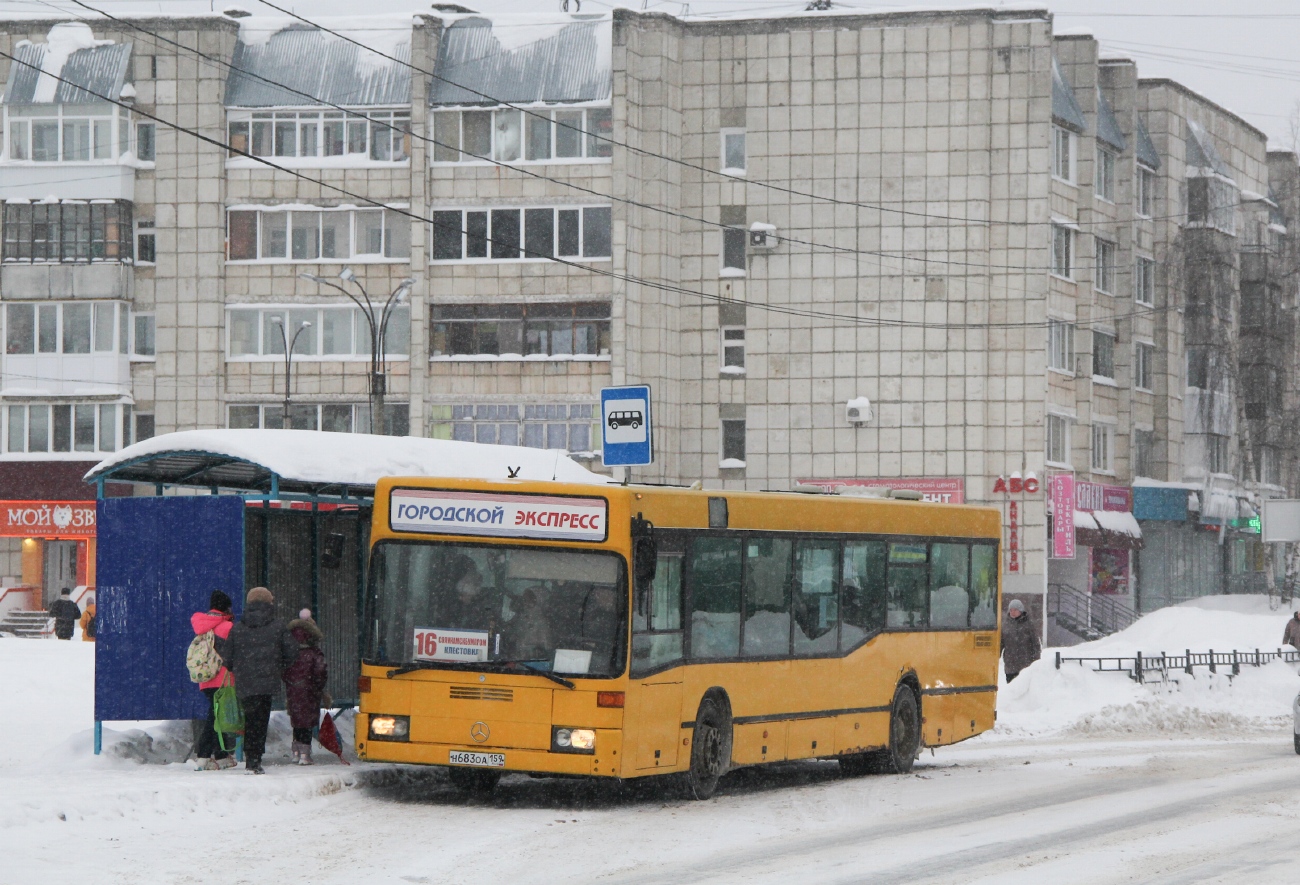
(1144, 668)
(1087, 615)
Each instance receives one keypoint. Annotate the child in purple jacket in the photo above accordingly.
(304, 685)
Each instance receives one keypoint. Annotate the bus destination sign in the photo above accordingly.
(431, 511)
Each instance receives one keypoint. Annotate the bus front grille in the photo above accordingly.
(481, 693)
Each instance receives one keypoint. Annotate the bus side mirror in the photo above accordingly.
(645, 550)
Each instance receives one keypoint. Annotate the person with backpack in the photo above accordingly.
(304, 684)
(65, 614)
(259, 649)
(204, 659)
(89, 626)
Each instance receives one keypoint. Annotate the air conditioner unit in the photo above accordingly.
(762, 236)
(858, 410)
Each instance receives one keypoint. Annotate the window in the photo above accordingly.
(733, 151)
(1146, 191)
(732, 343)
(1060, 346)
(329, 417)
(906, 596)
(527, 234)
(1062, 251)
(509, 136)
(569, 427)
(1105, 184)
(863, 600)
(1268, 468)
(519, 330)
(1216, 453)
(1103, 355)
(1204, 369)
(381, 136)
(1058, 439)
(814, 596)
(1104, 279)
(71, 231)
(64, 428)
(317, 235)
(1103, 448)
(144, 427)
(143, 343)
(336, 332)
(146, 243)
(1144, 453)
(766, 631)
(1212, 202)
(1144, 281)
(71, 134)
(145, 142)
(715, 572)
(734, 241)
(733, 443)
(1144, 361)
(77, 327)
(1063, 154)
(657, 610)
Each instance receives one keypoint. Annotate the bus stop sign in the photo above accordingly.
(626, 437)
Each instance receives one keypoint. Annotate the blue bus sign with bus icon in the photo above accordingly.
(626, 438)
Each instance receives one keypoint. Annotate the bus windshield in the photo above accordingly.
(558, 611)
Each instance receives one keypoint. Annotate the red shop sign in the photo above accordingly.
(47, 519)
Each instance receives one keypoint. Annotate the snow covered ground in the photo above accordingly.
(1089, 778)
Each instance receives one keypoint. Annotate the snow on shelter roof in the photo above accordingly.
(308, 61)
(315, 462)
(71, 67)
(523, 59)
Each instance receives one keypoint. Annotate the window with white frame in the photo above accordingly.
(142, 339)
(570, 427)
(68, 327)
(317, 235)
(334, 332)
(146, 242)
(1268, 467)
(1217, 453)
(732, 350)
(1103, 448)
(535, 136)
(1063, 251)
(511, 234)
(67, 133)
(1060, 346)
(1144, 361)
(1104, 277)
(548, 329)
(327, 417)
(1144, 281)
(1063, 154)
(1212, 202)
(66, 428)
(733, 151)
(1105, 183)
(1058, 439)
(1103, 355)
(1146, 191)
(382, 136)
(68, 231)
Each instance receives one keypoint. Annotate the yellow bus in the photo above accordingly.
(627, 631)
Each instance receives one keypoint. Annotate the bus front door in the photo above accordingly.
(655, 723)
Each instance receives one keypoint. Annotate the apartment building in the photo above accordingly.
(948, 251)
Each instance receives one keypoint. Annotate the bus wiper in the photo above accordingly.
(412, 667)
(536, 671)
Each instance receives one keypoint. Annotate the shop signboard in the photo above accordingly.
(59, 520)
(936, 489)
(1062, 493)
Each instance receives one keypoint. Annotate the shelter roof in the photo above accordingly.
(314, 462)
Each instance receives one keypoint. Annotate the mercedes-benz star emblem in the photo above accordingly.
(479, 731)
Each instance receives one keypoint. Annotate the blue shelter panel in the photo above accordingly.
(159, 559)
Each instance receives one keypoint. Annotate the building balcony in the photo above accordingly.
(67, 181)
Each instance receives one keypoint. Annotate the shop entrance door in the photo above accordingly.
(60, 568)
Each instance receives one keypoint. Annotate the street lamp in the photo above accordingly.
(289, 347)
(378, 332)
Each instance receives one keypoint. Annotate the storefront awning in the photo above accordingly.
(1115, 529)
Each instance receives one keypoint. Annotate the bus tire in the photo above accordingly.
(904, 732)
(1296, 737)
(710, 747)
(475, 781)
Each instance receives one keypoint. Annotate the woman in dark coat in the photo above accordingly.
(258, 651)
(304, 684)
(1020, 645)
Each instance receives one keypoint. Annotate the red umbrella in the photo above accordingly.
(329, 738)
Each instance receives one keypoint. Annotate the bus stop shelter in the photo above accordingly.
(234, 509)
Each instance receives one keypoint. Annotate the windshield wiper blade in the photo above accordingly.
(511, 665)
(412, 667)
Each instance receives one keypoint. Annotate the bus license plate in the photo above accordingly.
(483, 760)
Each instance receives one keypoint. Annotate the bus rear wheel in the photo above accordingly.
(904, 733)
(474, 781)
(710, 748)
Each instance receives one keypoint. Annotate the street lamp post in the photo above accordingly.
(289, 348)
(378, 332)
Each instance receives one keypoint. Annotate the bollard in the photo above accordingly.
(1188, 668)
(1236, 665)
(1212, 670)
(1137, 668)
(1058, 660)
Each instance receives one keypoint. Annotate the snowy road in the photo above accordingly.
(1154, 811)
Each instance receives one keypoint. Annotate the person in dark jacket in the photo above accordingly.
(304, 684)
(1291, 635)
(1020, 645)
(258, 650)
(65, 614)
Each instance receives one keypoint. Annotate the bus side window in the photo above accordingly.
(949, 580)
(657, 630)
(767, 600)
(908, 585)
(862, 601)
(715, 597)
(984, 586)
(815, 597)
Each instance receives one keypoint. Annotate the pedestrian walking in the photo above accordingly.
(217, 620)
(304, 684)
(65, 614)
(259, 649)
(1020, 645)
(1291, 635)
(89, 626)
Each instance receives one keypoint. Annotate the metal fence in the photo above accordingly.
(1147, 668)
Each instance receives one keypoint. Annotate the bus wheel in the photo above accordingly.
(1297, 742)
(904, 732)
(710, 747)
(473, 780)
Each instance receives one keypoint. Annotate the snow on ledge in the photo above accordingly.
(361, 458)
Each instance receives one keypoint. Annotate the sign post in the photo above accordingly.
(627, 437)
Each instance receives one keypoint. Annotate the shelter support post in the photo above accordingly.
(99, 736)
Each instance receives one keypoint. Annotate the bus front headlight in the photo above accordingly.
(390, 728)
(573, 740)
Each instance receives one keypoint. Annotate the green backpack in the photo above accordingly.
(201, 659)
(228, 715)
